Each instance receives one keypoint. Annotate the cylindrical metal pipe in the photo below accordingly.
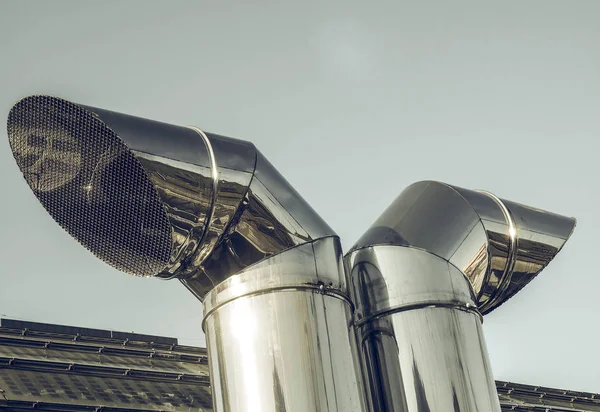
(154, 199)
(419, 333)
(420, 279)
(278, 338)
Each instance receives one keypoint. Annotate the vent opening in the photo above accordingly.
(90, 183)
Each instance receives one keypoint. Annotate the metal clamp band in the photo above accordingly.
(511, 257)
(465, 307)
(316, 289)
(215, 187)
(215, 176)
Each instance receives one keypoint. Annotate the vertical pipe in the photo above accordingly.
(277, 335)
(419, 333)
(422, 276)
(153, 199)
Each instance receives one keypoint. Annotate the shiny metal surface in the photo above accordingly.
(217, 205)
(387, 279)
(419, 333)
(420, 279)
(278, 335)
(499, 245)
(214, 213)
(271, 218)
(315, 267)
(431, 359)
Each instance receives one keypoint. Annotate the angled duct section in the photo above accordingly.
(153, 199)
(499, 245)
(422, 276)
(157, 200)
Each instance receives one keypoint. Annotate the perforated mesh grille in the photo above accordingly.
(90, 183)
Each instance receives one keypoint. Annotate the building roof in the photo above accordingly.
(56, 368)
(60, 369)
(519, 397)
(87, 332)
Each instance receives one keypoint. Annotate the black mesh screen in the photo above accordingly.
(90, 183)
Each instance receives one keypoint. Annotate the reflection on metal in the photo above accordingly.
(280, 316)
(499, 245)
(146, 198)
(281, 331)
(153, 199)
(419, 332)
(420, 278)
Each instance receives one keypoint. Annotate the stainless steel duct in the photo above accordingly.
(422, 276)
(153, 199)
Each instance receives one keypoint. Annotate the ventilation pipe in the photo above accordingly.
(153, 199)
(422, 277)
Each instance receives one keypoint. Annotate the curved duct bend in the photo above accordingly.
(153, 199)
(421, 277)
(499, 245)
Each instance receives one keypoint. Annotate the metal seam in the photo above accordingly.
(511, 258)
(215, 184)
(354, 252)
(215, 176)
(317, 289)
(465, 307)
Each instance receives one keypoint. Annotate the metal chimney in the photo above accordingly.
(422, 277)
(153, 199)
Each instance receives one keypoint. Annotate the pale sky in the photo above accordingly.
(352, 101)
